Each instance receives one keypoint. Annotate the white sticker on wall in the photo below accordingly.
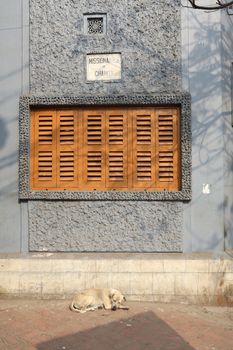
(206, 188)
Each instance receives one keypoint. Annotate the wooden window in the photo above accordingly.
(128, 149)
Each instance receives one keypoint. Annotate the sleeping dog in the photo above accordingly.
(93, 298)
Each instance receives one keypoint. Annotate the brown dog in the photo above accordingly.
(93, 298)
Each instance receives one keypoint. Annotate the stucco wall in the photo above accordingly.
(147, 34)
(109, 220)
(105, 226)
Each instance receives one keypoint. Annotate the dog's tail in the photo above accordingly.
(73, 308)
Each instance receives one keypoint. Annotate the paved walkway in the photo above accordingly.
(50, 325)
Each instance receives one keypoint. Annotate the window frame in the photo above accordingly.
(181, 100)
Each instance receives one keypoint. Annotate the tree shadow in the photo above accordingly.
(142, 331)
(3, 133)
(207, 74)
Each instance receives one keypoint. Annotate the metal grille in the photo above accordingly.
(95, 25)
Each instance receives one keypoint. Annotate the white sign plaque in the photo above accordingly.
(104, 66)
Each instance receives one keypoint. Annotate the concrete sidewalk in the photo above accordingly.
(50, 325)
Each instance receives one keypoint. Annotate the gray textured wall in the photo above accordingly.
(147, 33)
(105, 226)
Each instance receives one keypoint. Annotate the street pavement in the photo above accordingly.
(50, 325)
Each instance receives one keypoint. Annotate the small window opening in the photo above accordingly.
(95, 24)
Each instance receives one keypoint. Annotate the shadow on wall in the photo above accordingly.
(3, 133)
(8, 155)
(207, 71)
(142, 331)
(205, 82)
(8, 160)
(206, 79)
(9, 102)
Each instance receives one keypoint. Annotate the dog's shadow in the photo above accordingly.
(138, 332)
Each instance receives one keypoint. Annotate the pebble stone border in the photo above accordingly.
(181, 99)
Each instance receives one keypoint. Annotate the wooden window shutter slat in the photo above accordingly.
(128, 149)
(167, 155)
(143, 148)
(116, 149)
(94, 149)
(43, 150)
(67, 150)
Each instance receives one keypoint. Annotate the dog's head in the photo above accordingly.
(117, 298)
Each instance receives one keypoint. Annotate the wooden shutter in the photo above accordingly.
(116, 149)
(67, 149)
(94, 157)
(43, 150)
(143, 148)
(130, 149)
(167, 149)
